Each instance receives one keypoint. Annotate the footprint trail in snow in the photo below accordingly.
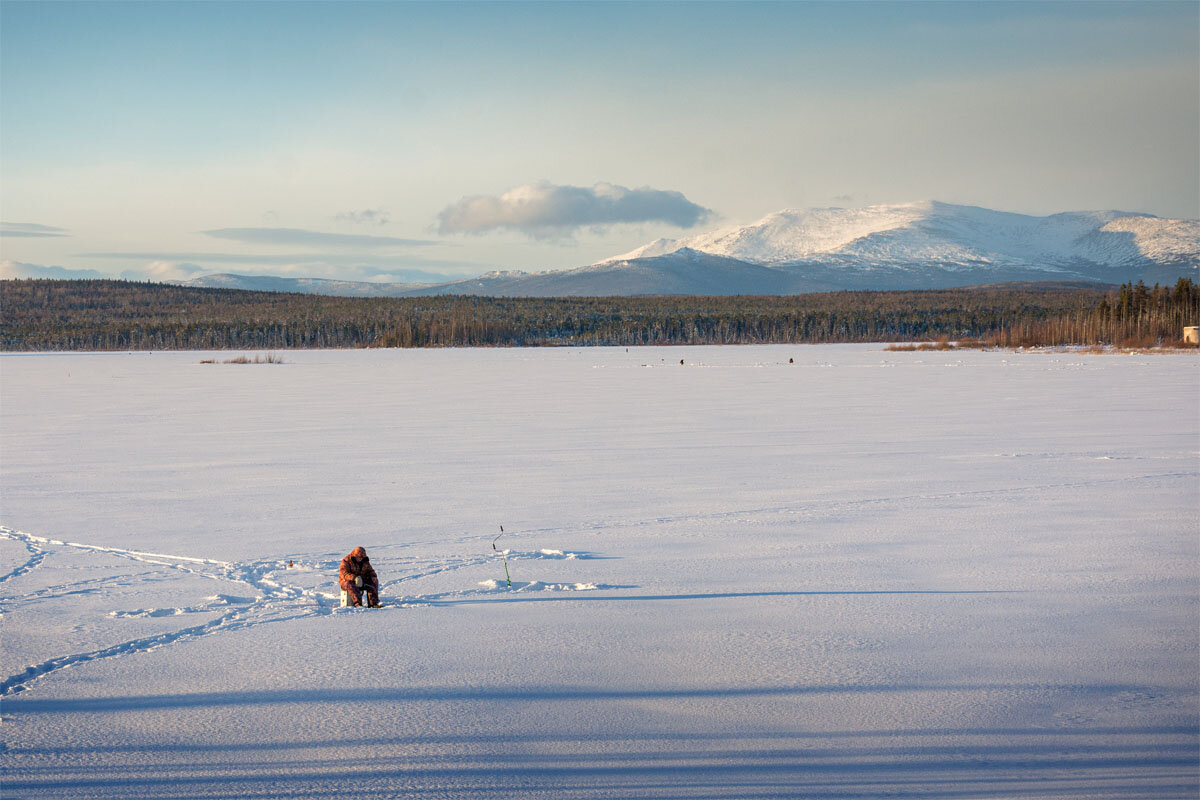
(251, 593)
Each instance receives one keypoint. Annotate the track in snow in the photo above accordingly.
(275, 598)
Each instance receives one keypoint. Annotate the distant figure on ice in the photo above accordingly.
(357, 575)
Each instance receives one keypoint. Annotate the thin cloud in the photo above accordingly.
(368, 216)
(215, 258)
(31, 230)
(413, 276)
(379, 262)
(306, 238)
(167, 271)
(544, 210)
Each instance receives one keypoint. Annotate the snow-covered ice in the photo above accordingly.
(864, 574)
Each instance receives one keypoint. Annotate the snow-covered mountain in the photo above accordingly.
(925, 245)
(934, 232)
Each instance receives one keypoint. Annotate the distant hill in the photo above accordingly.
(270, 283)
(681, 272)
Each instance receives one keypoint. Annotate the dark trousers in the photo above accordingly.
(356, 593)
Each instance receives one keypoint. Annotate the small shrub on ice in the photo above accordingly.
(269, 358)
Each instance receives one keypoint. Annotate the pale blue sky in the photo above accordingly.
(141, 134)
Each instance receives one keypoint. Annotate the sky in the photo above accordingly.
(419, 142)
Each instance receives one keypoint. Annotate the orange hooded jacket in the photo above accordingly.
(355, 565)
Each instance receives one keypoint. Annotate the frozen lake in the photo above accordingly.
(864, 573)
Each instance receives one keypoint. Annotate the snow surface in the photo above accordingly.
(1159, 239)
(864, 574)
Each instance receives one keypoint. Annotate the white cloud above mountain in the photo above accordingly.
(164, 271)
(546, 211)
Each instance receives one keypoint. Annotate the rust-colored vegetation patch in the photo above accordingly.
(269, 358)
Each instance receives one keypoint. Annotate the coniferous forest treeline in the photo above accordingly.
(120, 315)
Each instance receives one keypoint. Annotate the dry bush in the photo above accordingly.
(1143, 342)
(942, 343)
(269, 358)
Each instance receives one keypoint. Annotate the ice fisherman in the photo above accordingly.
(356, 575)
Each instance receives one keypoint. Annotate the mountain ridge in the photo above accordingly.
(936, 231)
(921, 245)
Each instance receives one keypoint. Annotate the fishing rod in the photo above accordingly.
(507, 579)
